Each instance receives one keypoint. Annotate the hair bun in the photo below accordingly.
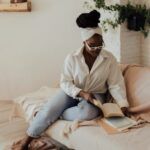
(88, 20)
(95, 15)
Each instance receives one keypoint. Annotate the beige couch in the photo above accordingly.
(137, 81)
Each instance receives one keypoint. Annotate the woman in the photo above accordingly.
(88, 73)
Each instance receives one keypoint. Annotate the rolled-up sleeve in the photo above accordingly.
(116, 84)
(67, 81)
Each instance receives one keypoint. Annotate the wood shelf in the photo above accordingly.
(15, 7)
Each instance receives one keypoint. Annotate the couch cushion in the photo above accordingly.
(137, 80)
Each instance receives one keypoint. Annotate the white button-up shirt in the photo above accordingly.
(104, 74)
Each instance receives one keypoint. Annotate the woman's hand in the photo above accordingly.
(126, 111)
(86, 95)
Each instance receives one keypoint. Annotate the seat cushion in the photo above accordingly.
(95, 138)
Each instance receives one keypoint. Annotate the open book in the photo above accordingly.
(109, 109)
(114, 120)
(120, 123)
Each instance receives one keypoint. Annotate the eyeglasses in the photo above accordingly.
(93, 47)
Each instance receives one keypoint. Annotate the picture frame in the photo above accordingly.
(16, 6)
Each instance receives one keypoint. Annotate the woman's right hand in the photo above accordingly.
(86, 95)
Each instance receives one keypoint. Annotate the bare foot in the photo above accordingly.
(42, 143)
(21, 144)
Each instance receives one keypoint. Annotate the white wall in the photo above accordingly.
(145, 56)
(34, 44)
(130, 46)
(112, 36)
(145, 44)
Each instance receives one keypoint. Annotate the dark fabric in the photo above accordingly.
(45, 141)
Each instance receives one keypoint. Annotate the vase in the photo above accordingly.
(136, 22)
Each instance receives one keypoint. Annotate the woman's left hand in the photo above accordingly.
(125, 111)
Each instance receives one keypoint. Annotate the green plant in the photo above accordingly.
(137, 17)
(99, 3)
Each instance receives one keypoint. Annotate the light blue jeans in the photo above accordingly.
(64, 106)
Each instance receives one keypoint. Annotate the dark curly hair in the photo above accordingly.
(88, 20)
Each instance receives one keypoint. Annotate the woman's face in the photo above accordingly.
(94, 44)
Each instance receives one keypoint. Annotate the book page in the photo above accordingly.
(111, 109)
(121, 123)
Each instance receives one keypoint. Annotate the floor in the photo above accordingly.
(10, 130)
